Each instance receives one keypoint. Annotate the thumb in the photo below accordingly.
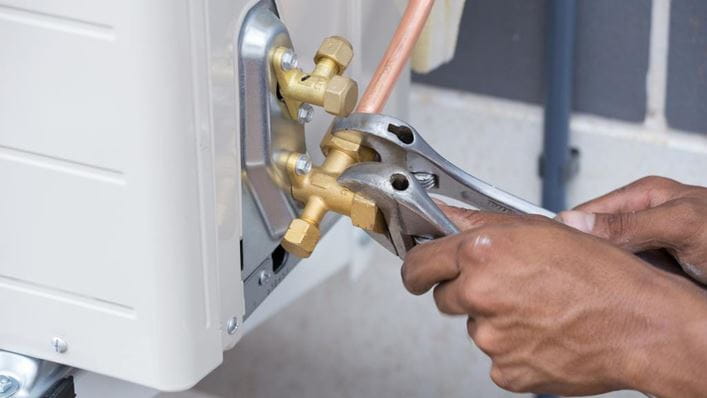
(619, 228)
(633, 231)
(628, 230)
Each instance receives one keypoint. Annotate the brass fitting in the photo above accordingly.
(324, 86)
(320, 192)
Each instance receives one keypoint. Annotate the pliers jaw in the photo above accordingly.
(410, 214)
(407, 171)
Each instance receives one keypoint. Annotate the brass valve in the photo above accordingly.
(318, 189)
(324, 86)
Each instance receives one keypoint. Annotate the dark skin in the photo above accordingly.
(565, 312)
(651, 213)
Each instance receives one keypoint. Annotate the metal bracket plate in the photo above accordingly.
(268, 135)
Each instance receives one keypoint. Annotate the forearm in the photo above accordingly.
(673, 362)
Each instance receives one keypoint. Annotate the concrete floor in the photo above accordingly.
(362, 338)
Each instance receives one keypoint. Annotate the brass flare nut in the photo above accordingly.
(337, 49)
(301, 238)
(324, 86)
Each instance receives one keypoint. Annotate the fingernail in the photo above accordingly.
(578, 220)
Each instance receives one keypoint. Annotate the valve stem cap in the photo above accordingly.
(301, 238)
(340, 96)
(337, 49)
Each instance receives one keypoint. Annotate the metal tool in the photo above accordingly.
(409, 170)
(410, 214)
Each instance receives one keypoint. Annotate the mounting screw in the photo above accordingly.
(59, 345)
(264, 277)
(304, 114)
(303, 165)
(232, 325)
(288, 61)
(8, 386)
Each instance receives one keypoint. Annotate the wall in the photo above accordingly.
(501, 53)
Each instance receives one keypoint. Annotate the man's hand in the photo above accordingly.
(560, 311)
(651, 213)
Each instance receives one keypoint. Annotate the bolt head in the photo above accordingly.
(264, 277)
(337, 49)
(305, 113)
(303, 165)
(301, 238)
(340, 96)
(5, 383)
(8, 386)
(59, 345)
(288, 60)
(232, 325)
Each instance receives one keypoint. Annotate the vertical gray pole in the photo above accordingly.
(558, 102)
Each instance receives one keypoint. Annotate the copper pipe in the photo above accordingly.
(395, 57)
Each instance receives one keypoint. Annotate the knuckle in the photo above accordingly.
(486, 339)
(477, 246)
(502, 379)
(657, 181)
(478, 295)
(619, 225)
(498, 377)
(471, 297)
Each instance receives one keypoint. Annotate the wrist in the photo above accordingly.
(669, 356)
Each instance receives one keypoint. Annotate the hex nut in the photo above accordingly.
(303, 165)
(337, 49)
(331, 141)
(288, 60)
(305, 113)
(301, 238)
(365, 214)
(340, 96)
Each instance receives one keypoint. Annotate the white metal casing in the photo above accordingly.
(120, 207)
(109, 228)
